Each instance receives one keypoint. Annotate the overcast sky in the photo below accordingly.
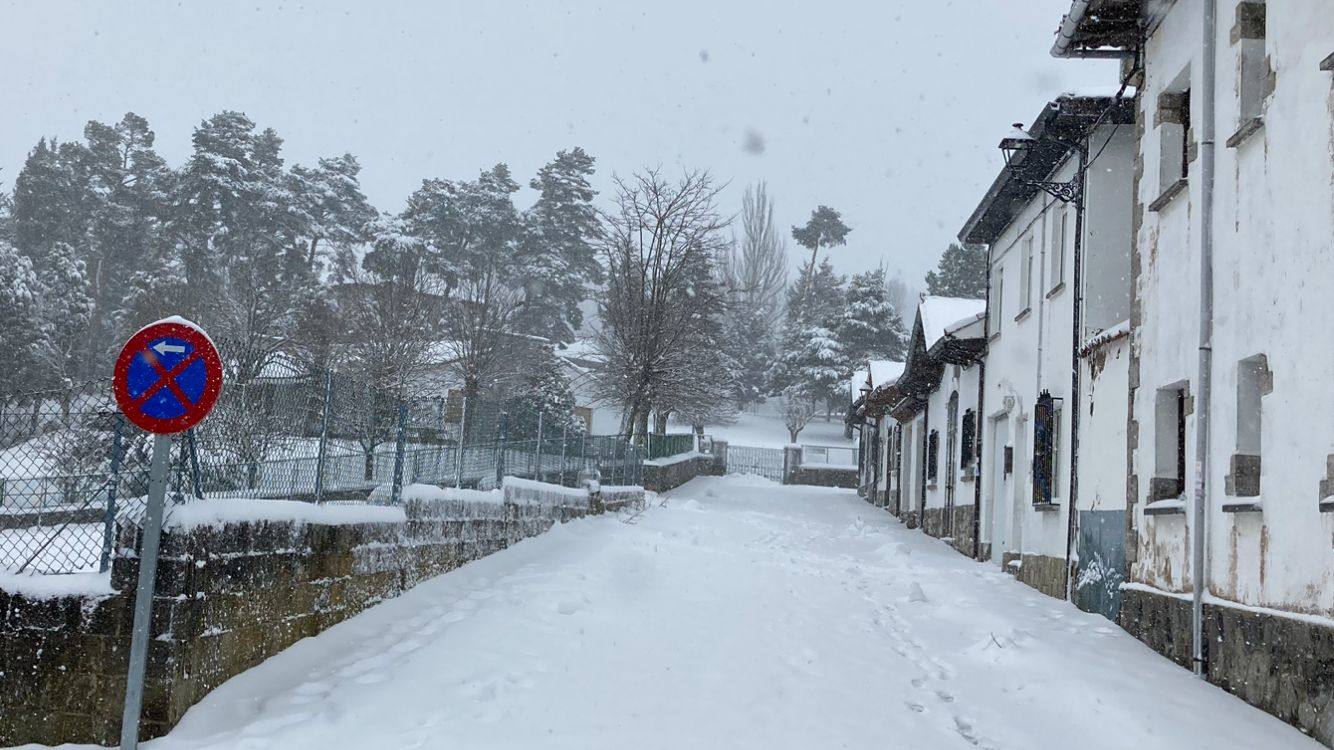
(888, 110)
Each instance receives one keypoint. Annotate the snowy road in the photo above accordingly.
(741, 615)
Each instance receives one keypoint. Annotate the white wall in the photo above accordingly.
(1273, 230)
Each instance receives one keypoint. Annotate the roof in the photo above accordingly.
(1067, 119)
(938, 314)
(1100, 28)
(884, 371)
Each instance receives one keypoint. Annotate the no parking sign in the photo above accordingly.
(167, 377)
(166, 380)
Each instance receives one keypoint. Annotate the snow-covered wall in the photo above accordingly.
(232, 591)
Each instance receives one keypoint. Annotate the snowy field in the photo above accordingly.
(741, 614)
(766, 430)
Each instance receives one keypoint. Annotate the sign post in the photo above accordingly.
(167, 379)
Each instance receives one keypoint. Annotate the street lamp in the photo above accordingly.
(1019, 141)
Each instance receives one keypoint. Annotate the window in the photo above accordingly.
(1026, 276)
(932, 455)
(968, 442)
(1046, 441)
(1254, 382)
(1169, 474)
(1059, 233)
(1174, 147)
(1254, 78)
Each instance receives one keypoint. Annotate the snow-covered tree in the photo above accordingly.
(797, 407)
(557, 250)
(333, 210)
(18, 321)
(870, 327)
(659, 242)
(825, 228)
(131, 188)
(63, 311)
(812, 359)
(749, 341)
(756, 268)
(962, 272)
(543, 390)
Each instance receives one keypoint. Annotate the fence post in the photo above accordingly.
(109, 520)
(322, 454)
(563, 430)
(397, 492)
(538, 477)
(463, 437)
(501, 444)
(194, 464)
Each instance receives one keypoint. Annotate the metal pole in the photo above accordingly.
(1198, 532)
(463, 435)
(539, 447)
(143, 596)
(322, 455)
(502, 443)
(109, 521)
(397, 492)
(564, 428)
(194, 464)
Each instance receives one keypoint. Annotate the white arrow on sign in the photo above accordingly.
(163, 347)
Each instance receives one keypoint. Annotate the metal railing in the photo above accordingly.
(72, 469)
(829, 455)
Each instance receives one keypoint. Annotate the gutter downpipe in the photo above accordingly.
(1065, 35)
(1076, 365)
(1209, 54)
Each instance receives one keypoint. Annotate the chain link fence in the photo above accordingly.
(72, 469)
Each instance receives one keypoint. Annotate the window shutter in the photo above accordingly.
(1043, 431)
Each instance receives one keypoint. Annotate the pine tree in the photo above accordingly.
(63, 310)
(329, 201)
(962, 272)
(813, 360)
(825, 228)
(816, 298)
(18, 321)
(50, 199)
(131, 194)
(545, 390)
(557, 251)
(870, 327)
(748, 340)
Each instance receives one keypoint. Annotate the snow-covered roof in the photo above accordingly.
(963, 328)
(884, 371)
(585, 349)
(939, 313)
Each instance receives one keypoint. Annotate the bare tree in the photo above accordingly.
(797, 408)
(756, 267)
(481, 343)
(656, 238)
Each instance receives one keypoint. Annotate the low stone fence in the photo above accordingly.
(662, 474)
(239, 581)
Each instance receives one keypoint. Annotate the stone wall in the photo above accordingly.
(1044, 573)
(664, 474)
(963, 538)
(824, 476)
(229, 595)
(1283, 665)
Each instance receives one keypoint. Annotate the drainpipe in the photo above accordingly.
(977, 446)
(1072, 517)
(1208, 55)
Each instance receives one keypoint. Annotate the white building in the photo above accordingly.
(932, 459)
(1058, 297)
(1231, 517)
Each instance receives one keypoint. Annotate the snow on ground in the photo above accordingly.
(740, 614)
(766, 430)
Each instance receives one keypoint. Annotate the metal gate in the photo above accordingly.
(765, 462)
